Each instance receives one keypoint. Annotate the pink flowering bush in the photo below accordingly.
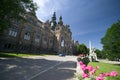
(89, 73)
(83, 58)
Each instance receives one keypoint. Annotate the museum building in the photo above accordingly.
(35, 36)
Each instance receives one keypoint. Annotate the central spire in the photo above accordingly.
(53, 21)
(54, 16)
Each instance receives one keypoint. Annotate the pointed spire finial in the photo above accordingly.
(60, 21)
(60, 17)
(54, 16)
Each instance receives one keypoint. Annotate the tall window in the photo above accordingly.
(62, 42)
(13, 32)
(27, 36)
(37, 38)
(51, 42)
(38, 24)
(45, 40)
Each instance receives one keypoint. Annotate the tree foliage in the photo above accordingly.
(13, 9)
(100, 54)
(111, 41)
(82, 49)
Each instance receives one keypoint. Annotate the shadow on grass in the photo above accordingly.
(117, 64)
(7, 55)
(96, 61)
(11, 55)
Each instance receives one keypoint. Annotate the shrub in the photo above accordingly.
(84, 59)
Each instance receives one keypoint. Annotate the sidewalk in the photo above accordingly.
(111, 62)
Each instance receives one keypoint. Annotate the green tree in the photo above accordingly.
(100, 54)
(82, 49)
(111, 41)
(13, 10)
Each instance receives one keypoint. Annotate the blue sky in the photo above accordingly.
(88, 19)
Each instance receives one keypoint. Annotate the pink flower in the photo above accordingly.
(84, 75)
(113, 73)
(97, 67)
(83, 67)
(99, 78)
(90, 68)
(107, 74)
(81, 63)
(93, 71)
(102, 75)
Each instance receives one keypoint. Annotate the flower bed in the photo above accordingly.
(89, 73)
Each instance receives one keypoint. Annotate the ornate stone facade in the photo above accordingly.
(35, 36)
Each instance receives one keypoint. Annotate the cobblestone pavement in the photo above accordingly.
(38, 68)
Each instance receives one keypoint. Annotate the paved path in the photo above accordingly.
(38, 68)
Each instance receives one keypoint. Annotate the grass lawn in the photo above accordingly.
(105, 67)
(2, 54)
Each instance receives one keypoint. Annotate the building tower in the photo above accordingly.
(53, 21)
(60, 21)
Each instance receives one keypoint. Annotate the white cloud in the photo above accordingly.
(47, 7)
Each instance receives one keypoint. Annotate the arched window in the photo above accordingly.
(27, 36)
(62, 42)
